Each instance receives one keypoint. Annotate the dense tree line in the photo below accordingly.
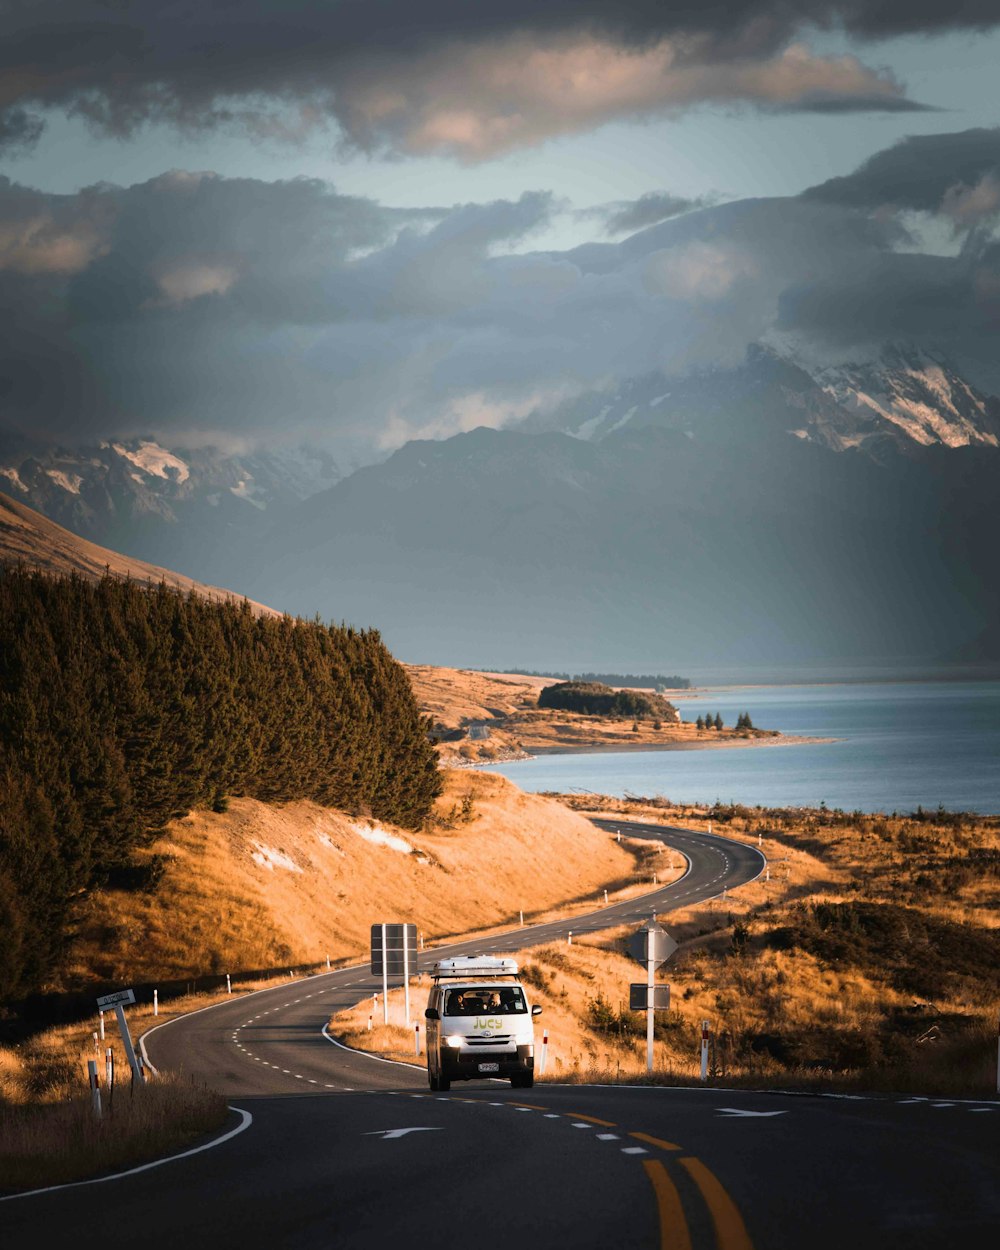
(594, 699)
(121, 707)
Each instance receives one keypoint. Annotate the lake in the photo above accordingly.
(900, 745)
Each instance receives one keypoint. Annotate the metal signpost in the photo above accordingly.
(651, 945)
(119, 1000)
(394, 949)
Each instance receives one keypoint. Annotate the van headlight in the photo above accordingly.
(453, 1040)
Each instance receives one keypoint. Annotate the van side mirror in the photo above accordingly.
(536, 1010)
(432, 1013)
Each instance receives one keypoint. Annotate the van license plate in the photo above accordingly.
(489, 1067)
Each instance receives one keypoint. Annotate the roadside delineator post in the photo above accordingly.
(704, 1050)
(96, 1046)
(101, 1014)
(369, 1022)
(569, 938)
(605, 898)
(109, 1073)
(520, 916)
(156, 1002)
(416, 1039)
(545, 1052)
(328, 963)
(95, 1087)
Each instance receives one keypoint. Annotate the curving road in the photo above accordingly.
(348, 1151)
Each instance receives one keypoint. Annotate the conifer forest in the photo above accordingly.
(122, 707)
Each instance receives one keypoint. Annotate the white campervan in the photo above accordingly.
(479, 1023)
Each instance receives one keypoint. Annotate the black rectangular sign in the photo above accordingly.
(637, 997)
(394, 949)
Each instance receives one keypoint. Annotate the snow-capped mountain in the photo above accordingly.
(916, 392)
(905, 397)
(161, 504)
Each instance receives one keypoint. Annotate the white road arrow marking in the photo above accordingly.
(388, 1133)
(738, 1111)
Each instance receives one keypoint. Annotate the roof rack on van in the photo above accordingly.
(474, 968)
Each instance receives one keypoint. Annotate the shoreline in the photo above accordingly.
(630, 748)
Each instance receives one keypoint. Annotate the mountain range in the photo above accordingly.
(782, 511)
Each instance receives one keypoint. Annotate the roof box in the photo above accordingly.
(474, 968)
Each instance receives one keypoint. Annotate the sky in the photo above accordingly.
(357, 223)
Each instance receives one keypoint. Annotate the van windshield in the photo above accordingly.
(504, 1000)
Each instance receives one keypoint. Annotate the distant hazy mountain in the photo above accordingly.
(176, 507)
(657, 545)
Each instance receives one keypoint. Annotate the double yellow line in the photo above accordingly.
(730, 1230)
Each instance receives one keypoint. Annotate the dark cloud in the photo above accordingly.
(442, 76)
(917, 173)
(195, 305)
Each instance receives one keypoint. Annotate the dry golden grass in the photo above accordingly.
(489, 852)
(48, 1132)
(53, 1143)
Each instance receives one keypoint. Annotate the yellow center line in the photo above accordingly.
(674, 1234)
(591, 1119)
(655, 1141)
(530, 1106)
(730, 1231)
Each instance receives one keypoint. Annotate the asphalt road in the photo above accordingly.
(347, 1151)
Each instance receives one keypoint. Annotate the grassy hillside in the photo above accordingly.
(27, 537)
(260, 886)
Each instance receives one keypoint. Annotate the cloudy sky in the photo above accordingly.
(356, 223)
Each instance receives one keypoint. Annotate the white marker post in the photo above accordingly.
(369, 1022)
(385, 980)
(156, 1002)
(109, 1070)
(545, 1052)
(520, 916)
(101, 1014)
(328, 963)
(416, 1039)
(95, 1088)
(229, 984)
(651, 966)
(704, 1050)
(569, 938)
(605, 898)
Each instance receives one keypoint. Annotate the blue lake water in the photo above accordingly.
(900, 745)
